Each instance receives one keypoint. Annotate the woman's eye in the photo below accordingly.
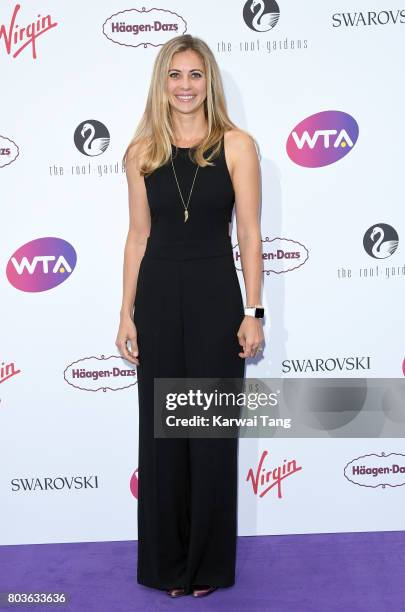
(175, 74)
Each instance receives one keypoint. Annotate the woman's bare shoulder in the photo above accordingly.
(237, 139)
(239, 147)
(136, 153)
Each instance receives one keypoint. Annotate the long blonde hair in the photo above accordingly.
(155, 128)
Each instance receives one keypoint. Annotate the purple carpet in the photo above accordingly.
(351, 572)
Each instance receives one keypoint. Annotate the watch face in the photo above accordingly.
(259, 313)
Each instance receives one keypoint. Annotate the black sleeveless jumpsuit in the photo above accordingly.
(188, 309)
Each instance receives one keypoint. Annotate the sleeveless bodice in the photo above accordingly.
(210, 206)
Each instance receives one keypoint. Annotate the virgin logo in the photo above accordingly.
(41, 264)
(264, 480)
(8, 370)
(17, 38)
(322, 139)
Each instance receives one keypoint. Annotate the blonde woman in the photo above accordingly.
(182, 311)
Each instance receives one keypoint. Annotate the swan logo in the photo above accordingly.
(322, 139)
(91, 137)
(377, 470)
(261, 15)
(100, 374)
(17, 38)
(380, 241)
(279, 255)
(134, 28)
(41, 264)
(8, 151)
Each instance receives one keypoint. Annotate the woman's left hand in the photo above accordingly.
(250, 336)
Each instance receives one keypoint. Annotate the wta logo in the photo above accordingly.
(322, 139)
(134, 484)
(41, 264)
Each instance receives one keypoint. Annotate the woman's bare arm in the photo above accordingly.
(138, 232)
(245, 174)
(246, 182)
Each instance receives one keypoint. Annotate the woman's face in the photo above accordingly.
(186, 82)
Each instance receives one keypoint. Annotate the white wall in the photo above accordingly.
(51, 426)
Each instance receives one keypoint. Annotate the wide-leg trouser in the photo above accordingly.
(187, 314)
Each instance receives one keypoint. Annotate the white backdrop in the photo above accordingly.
(68, 441)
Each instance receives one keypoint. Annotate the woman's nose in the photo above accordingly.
(185, 82)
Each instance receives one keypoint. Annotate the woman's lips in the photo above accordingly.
(185, 98)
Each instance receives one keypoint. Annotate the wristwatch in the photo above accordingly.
(256, 311)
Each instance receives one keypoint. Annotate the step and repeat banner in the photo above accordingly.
(320, 86)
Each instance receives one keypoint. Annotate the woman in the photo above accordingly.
(182, 311)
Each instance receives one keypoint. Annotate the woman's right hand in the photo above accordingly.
(127, 333)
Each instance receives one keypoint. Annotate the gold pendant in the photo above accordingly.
(185, 215)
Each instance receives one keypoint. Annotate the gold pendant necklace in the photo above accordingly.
(181, 195)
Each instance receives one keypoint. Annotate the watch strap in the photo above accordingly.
(255, 311)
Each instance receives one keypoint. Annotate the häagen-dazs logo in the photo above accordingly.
(8, 151)
(380, 240)
(279, 255)
(261, 15)
(91, 137)
(100, 374)
(18, 37)
(377, 470)
(41, 264)
(322, 139)
(153, 27)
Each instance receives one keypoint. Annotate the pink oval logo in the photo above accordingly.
(133, 484)
(41, 264)
(322, 139)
